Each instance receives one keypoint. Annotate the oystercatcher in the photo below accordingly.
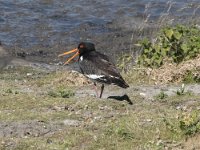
(96, 66)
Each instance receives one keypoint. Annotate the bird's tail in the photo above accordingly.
(122, 84)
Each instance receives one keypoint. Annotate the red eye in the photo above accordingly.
(81, 46)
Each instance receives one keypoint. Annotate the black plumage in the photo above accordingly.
(94, 63)
(97, 66)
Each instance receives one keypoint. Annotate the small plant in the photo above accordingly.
(171, 125)
(66, 93)
(124, 133)
(191, 77)
(9, 91)
(53, 94)
(61, 93)
(161, 95)
(16, 92)
(122, 62)
(190, 123)
(181, 90)
(120, 131)
(174, 43)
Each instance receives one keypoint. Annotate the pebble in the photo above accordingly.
(143, 94)
(69, 122)
(29, 74)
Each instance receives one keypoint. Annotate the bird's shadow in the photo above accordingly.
(121, 98)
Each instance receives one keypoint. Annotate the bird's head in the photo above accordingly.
(83, 47)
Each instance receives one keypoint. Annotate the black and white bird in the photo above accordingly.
(96, 66)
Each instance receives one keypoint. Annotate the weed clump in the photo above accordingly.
(190, 123)
(161, 96)
(61, 93)
(176, 44)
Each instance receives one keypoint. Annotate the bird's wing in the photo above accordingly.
(99, 64)
(98, 67)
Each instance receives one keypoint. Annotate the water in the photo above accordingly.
(45, 23)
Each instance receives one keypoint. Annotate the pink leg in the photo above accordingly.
(96, 89)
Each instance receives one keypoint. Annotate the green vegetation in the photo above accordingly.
(61, 93)
(123, 61)
(172, 56)
(161, 96)
(175, 43)
(190, 123)
(190, 77)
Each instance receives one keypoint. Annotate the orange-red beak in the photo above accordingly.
(69, 52)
